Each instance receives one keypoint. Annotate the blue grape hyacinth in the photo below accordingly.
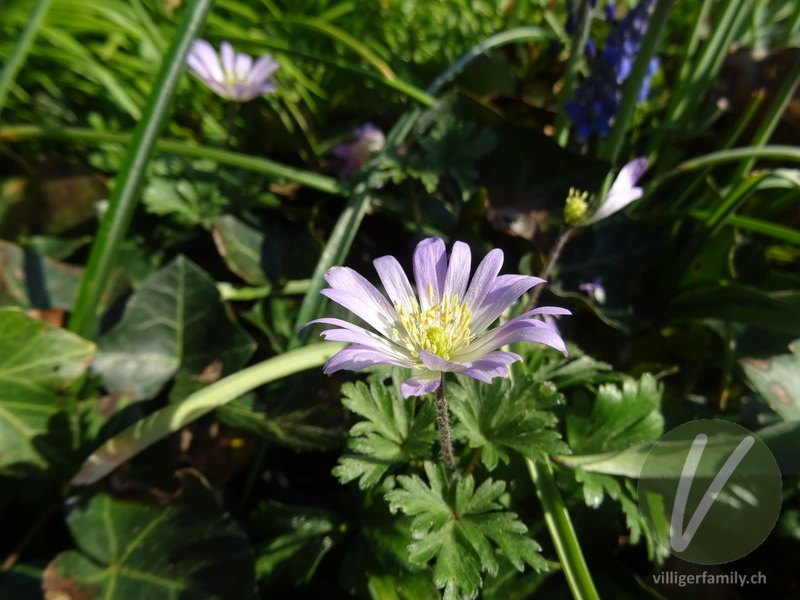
(598, 98)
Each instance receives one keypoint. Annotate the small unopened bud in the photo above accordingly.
(576, 207)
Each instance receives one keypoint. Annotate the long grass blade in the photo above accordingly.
(125, 195)
(170, 419)
(15, 60)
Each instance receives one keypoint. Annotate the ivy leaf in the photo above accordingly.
(777, 380)
(506, 416)
(37, 363)
(189, 549)
(174, 322)
(618, 418)
(396, 430)
(462, 529)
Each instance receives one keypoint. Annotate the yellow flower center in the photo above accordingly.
(441, 330)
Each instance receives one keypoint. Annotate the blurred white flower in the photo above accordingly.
(229, 74)
(623, 191)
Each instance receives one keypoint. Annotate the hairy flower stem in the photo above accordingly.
(565, 235)
(230, 126)
(443, 425)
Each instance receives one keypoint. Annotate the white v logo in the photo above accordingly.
(680, 540)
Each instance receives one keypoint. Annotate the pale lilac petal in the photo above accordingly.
(394, 280)
(484, 277)
(503, 292)
(421, 384)
(432, 361)
(263, 69)
(243, 65)
(530, 330)
(358, 335)
(203, 61)
(355, 358)
(543, 310)
(623, 191)
(430, 269)
(455, 282)
(261, 88)
(360, 297)
(228, 61)
(494, 364)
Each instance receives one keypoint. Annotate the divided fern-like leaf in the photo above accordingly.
(506, 416)
(462, 529)
(395, 430)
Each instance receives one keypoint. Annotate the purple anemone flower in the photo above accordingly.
(231, 75)
(444, 327)
(623, 191)
(369, 139)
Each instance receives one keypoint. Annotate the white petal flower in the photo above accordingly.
(623, 191)
(443, 327)
(229, 74)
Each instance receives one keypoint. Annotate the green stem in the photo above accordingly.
(562, 532)
(443, 427)
(173, 417)
(329, 185)
(14, 62)
(125, 196)
(564, 236)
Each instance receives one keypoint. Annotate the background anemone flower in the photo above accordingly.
(444, 327)
(623, 191)
(231, 75)
(369, 139)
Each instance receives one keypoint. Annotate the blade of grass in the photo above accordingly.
(175, 416)
(792, 26)
(344, 232)
(722, 34)
(780, 153)
(94, 69)
(773, 116)
(315, 181)
(343, 37)
(690, 191)
(755, 225)
(562, 532)
(17, 57)
(125, 195)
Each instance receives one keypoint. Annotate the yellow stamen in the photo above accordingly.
(441, 330)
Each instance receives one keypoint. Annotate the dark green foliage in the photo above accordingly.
(505, 417)
(395, 431)
(462, 528)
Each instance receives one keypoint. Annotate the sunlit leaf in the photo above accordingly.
(37, 363)
(617, 418)
(175, 321)
(462, 528)
(777, 379)
(506, 417)
(395, 430)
